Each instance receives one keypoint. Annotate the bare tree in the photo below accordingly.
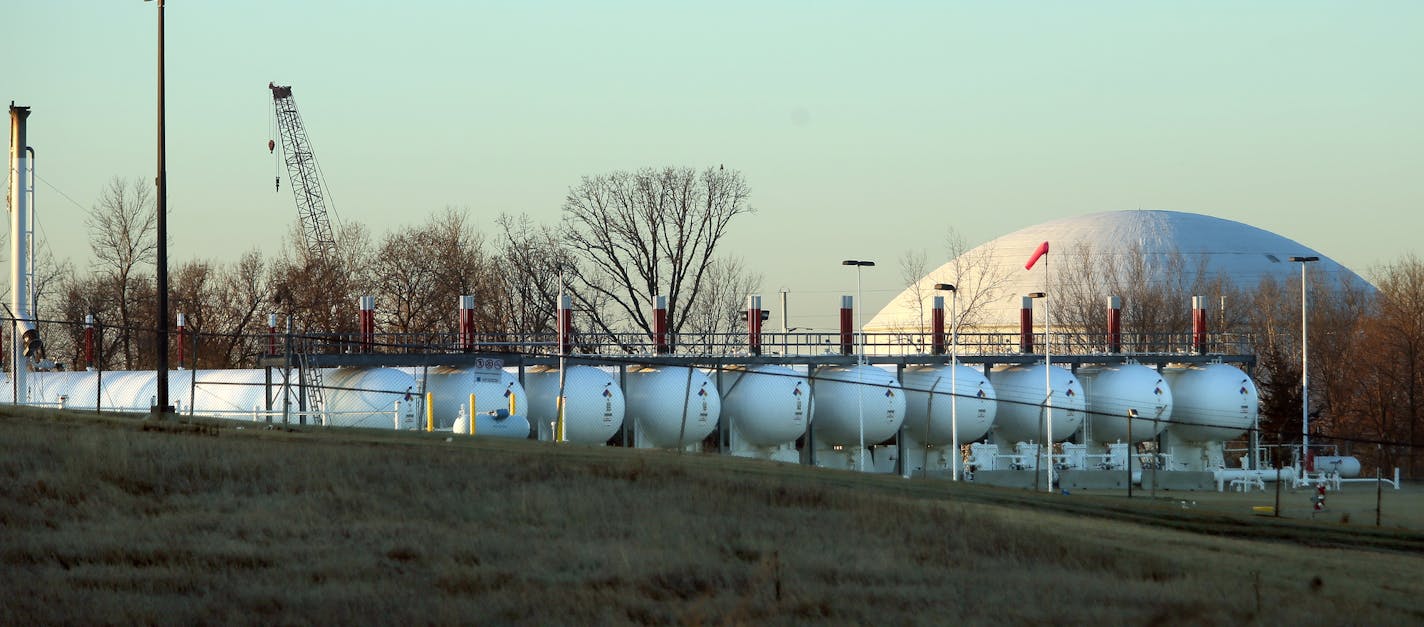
(914, 265)
(320, 293)
(1156, 291)
(193, 286)
(531, 260)
(80, 296)
(721, 302)
(637, 234)
(241, 298)
(122, 236)
(419, 272)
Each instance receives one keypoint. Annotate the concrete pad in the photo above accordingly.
(1092, 480)
(1182, 480)
(1005, 478)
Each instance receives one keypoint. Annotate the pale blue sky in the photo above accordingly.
(864, 128)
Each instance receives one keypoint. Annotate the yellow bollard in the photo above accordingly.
(472, 413)
(559, 424)
(429, 412)
(513, 404)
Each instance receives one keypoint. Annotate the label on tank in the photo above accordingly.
(702, 415)
(607, 406)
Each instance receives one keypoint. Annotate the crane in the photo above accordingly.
(303, 174)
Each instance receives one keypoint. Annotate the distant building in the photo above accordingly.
(1223, 248)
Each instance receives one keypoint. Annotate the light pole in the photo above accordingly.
(1047, 381)
(953, 374)
(161, 409)
(860, 356)
(1304, 369)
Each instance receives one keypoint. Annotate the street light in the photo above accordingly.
(953, 373)
(860, 355)
(1304, 369)
(1047, 381)
(162, 409)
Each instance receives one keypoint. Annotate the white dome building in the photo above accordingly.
(1168, 243)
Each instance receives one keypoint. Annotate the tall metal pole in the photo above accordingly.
(1304, 374)
(1048, 365)
(19, 274)
(954, 383)
(1304, 368)
(860, 353)
(162, 408)
(860, 368)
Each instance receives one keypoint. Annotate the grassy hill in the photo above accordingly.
(115, 519)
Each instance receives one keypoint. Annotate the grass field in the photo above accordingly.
(112, 519)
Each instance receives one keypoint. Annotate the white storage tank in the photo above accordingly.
(1212, 403)
(124, 390)
(1022, 392)
(844, 394)
(1347, 466)
(230, 393)
(79, 389)
(366, 397)
(765, 406)
(1113, 390)
(933, 393)
(595, 404)
(450, 389)
(671, 406)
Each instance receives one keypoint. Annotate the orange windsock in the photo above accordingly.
(1039, 252)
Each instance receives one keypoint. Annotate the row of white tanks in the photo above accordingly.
(767, 407)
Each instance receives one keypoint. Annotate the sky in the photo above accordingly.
(864, 129)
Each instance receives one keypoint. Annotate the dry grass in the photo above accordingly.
(114, 520)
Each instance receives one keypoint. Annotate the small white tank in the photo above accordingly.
(931, 401)
(595, 405)
(495, 423)
(766, 405)
(451, 389)
(845, 394)
(671, 406)
(1022, 392)
(366, 397)
(1347, 466)
(1115, 389)
(1212, 403)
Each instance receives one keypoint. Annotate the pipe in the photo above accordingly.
(182, 324)
(660, 324)
(466, 306)
(89, 342)
(1114, 324)
(1026, 325)
(367, 322)
(1199, 325)
(753, 324)
(566, 324)
(847, 325)
(272, 334)
(937, 326)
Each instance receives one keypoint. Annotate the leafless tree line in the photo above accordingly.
(623, 238)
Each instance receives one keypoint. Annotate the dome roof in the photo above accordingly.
(994, 272)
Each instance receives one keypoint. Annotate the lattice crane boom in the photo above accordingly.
(304, 176)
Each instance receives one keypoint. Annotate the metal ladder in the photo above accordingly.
(312, 381)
